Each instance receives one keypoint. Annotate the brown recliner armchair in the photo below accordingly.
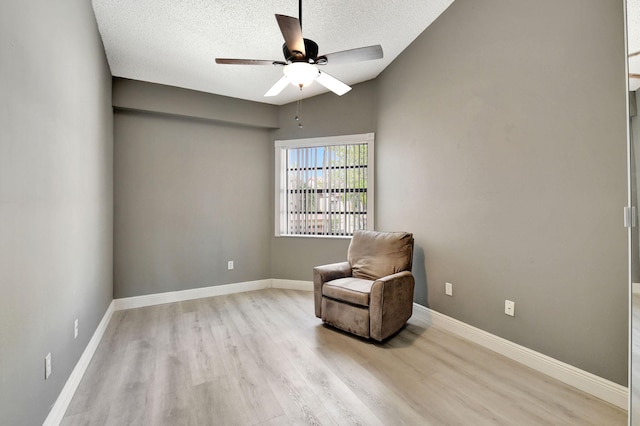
(371, 294)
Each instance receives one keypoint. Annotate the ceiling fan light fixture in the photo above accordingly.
(300, 74)
(301, 58)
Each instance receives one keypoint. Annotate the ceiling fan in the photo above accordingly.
(301, 59)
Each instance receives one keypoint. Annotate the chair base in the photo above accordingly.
(353, 319)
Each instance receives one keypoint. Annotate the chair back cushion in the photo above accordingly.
(374, 255)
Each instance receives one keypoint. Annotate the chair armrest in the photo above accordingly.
(332, 271)
(397, 279)
(391, 304)
(326, 273)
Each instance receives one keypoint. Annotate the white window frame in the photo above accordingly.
(281, 147)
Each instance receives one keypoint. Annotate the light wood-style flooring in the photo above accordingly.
(263, 358)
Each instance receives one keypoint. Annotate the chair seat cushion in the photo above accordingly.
(351, 290)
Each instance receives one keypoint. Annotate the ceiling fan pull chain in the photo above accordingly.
(298, 112)
(300, 12)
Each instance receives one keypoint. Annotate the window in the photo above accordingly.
(324, 186)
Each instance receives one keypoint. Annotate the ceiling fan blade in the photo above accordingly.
(278, 87)
(631, 55)
(353, 55)
(228, 61)
(292, 33)
(634, 75)
(332, 83)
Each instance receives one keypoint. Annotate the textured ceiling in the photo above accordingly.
(176, 42)
(633, 41)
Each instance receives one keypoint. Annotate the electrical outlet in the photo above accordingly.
(509, 308)
(230, 265)
(75, 329)
(448, 289)
(47, 366)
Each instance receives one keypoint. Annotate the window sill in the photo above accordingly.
(322, 237)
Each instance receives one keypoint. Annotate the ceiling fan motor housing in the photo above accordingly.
(311, 48)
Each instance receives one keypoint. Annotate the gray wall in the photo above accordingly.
(514, 113)
(150, 97)
(56, 202)
(190, 193)
(500, 143)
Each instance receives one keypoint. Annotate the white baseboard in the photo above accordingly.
(200, 293)
(292, 284)
(64, 399)
(587, 382)
(191, 294)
